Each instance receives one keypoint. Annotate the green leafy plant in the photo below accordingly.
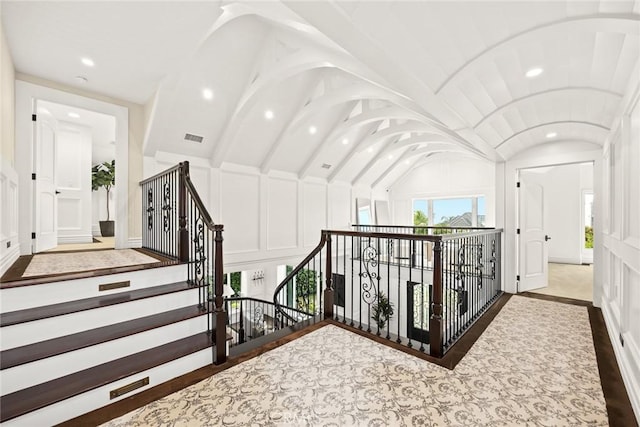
(588, 237)
(103, 175)
(382, 310)
(306, 287)
(420, 220)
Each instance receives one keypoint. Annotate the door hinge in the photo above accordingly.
(518, 277)
(34, 117)
(33, 176)
(518, 184)
(33, 235)
(518, 231)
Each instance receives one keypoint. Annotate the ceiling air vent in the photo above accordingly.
(325, 166)
(192, 137)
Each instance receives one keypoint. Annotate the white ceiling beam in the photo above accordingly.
(535, 95)
(392, 112)
(354, 149)
(391, 167)
(329, 137)
(575, 122)
(624, 23)
(265, 167)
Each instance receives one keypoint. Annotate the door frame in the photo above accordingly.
(555, 154)
(26, 94)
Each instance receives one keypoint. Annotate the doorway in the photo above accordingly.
(555, 230)
(69, 142)
(27, 96)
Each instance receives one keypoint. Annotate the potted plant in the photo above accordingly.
(382, 311)
(104, 175)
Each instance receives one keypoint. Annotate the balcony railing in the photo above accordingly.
(420, 290)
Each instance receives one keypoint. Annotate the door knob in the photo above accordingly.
(546, 238)
(57, 192)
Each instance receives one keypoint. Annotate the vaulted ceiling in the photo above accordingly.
(356, 91)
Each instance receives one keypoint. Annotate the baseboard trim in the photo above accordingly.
(631, 384)
(8, 258)
(78, 238)
(560, 260)
(134, 242)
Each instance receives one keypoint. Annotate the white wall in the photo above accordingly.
(446, 175)
(269, 220)
(620, 240)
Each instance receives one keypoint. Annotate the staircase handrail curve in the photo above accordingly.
(291, 275)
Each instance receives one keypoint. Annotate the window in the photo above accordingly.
(450, 212)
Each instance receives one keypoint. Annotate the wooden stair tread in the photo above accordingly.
(55, 346)
(30, 399)
(44, 312)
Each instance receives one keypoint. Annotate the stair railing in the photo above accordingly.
(177, 225)
(419, 290)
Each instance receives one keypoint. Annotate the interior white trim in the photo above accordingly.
(631, 385)
(26, 94)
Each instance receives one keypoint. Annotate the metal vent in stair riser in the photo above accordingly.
(192, 137)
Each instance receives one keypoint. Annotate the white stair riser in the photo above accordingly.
(94, 399)
(40, 371)
(52, 327)
(22, 297)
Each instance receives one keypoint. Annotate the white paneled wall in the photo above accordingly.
(621, 245)
(269, 220)
(9, 247)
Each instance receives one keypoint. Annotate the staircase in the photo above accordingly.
(69, 348)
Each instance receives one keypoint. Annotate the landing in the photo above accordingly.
(534, 364)
(44, 267)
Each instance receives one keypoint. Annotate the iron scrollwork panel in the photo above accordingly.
(150, 209)
(166, 207)
(369, 276)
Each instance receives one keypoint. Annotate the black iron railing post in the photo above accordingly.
(219, 313)
(183, 232)
(328, 290)
(435, 322)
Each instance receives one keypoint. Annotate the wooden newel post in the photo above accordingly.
(328, 290)
(183, 233)
(435, 322)
(219, 315)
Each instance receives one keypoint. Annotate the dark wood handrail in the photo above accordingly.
(163, 173)
(206, 217)
(293, 273)
(434, 227)
(427, 237)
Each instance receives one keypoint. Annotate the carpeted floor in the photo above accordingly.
(57, 263)
(569, 281)
(534, 365)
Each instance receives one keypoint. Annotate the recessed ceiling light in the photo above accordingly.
(369, 150)
(406, 162)
(88, 62)
(74, 115)
(207, 94)
(534, 72)
(268, 114)
(552, 134)
(390, 156)
(345, 141)
(313, 130)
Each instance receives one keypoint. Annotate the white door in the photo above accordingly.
(73, 179)
(533, 249)
(46, 236)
